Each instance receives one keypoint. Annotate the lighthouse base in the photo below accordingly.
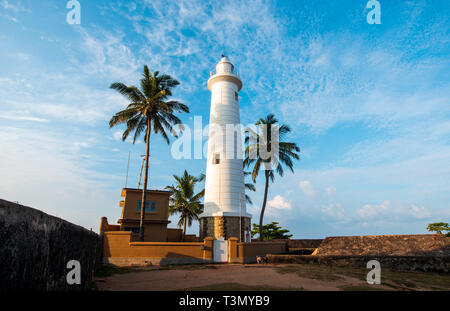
(225, 227)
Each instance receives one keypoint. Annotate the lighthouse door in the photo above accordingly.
(220, 250)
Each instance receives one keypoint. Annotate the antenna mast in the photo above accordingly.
(128, 166)
(140, 174)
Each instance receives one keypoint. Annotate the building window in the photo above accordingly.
(216, 158)
(236, 96)
(150, 206)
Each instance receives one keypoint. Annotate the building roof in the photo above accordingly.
(124, 190)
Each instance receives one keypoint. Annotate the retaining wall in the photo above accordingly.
(386, 245)
(35, 248)
(400, 263)
(296, 243)
(247, 252)
(118, 249)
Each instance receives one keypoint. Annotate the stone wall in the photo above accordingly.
(400, 263)
(35, 248)
(226, 227)
(386, 245)
(248, 252)
(296, 243)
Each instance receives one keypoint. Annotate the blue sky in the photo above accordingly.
(368, 104)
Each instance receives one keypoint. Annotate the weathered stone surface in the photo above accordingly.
(297, 243)
(386, 245)
(399, 263)
(35, 248)
(226, 227)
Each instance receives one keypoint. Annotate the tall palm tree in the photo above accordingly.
(149, 107)
(249, 186)
(259, 142)
(184, 201)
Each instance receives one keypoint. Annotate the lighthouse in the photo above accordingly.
(224, 214)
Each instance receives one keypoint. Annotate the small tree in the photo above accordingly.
(438, 227)
(185, 201)
(271, 231)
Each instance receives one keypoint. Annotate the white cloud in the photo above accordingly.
(22, 118)
(71, 100)
(17, 7)
(105, 54)
(54, 172)
(307, 188)
(117, 135)
(334, 210)
(276, 208)
(371, 211)
(280, 203)
(331, 190)
(418, 212)
(398, 211)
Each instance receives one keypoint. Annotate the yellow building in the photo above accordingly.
(156, 213)
(162, 245)
(155, 219)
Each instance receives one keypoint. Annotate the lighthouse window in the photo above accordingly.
(216, 158)
(236, 95)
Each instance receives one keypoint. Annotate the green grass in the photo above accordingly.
(394, 279)
(309, 271)
(435, 281)
(360, 288)
(240, 287)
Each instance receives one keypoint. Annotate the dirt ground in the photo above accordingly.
(261, 277)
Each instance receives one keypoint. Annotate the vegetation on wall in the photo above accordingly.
(271, 231)
(438, 227)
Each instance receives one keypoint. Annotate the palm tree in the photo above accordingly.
(249, 186)
(149, 107)
(184, 201)
(260, 142)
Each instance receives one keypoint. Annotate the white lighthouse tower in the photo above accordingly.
(224, 213)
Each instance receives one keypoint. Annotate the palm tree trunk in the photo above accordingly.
(266, 190)
(184, 228)
(144, 188)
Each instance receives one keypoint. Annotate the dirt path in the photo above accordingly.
(228, 277)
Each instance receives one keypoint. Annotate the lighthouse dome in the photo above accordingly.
(224, 66)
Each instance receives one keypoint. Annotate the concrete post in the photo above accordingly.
(233, 250)
(208, 249)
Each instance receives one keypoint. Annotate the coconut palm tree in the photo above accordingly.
(183, 200)
(149, 108)
(249, 186)
(258, 142)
